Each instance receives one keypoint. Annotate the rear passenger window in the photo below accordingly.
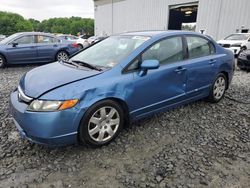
(166, 51)
(199, 47)
(46, 39)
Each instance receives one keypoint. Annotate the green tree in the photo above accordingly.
(11, 23)
(34, 23)
(71, 25)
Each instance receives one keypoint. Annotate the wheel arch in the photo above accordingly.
(4, 56)
(227, 76)
(119, 101)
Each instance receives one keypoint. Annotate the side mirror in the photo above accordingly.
(148, 65)
(14, 44)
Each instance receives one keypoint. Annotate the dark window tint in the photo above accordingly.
(199, 47)
(166, 51)
(46, 39)
(25, 40)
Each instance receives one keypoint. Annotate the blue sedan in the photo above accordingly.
(93, 95)
(34, 47)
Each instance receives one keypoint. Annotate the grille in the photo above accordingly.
(225, 45)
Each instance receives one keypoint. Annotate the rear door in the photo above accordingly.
(47, 47)
(24, 50)
(201, 65)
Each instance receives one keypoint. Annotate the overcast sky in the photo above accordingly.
(44, 9)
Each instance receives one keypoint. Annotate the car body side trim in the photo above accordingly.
(64, 135)
(173, 98)
(181, 95)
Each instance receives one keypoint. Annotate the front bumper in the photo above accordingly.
(243, 64)
(48, 128)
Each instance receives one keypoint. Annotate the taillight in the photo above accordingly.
(75, 45)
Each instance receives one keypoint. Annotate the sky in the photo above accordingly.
(44, 9)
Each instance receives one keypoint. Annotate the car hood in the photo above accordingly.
(48, 77)
(230, 41)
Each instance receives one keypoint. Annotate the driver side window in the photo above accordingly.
(166, 51)
(25, 40)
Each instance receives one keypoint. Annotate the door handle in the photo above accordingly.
(180, 69)
(55, 45)
(212, 62)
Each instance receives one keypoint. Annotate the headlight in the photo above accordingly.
(236, 45)
(51, 106)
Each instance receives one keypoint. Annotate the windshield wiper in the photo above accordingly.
(70, 63)
(82, 63)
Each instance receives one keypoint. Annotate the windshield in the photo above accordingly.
(8, 39)
(238, 37)
(110, 51)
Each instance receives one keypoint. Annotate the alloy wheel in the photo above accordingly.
(219, 88)
(103, 124)
(1, 61)
(62, 56)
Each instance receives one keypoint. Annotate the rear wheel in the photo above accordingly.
(80, 46)
(2, 61)
(219, 88)
(62, 56)
(101, 124)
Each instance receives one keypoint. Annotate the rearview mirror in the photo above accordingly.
(14, 44)
(148, 65)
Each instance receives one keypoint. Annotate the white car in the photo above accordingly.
(82, 43)
(235, 41)
(2, 37)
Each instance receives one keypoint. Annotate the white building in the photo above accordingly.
(218, 18)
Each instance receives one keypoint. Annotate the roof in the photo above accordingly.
(35, 33)
(157, 33)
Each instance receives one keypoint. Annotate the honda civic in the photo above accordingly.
(93, 95)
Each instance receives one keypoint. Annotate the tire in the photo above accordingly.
(218, 89)
(2, 61)
(80, 46)
(62, 55)
(243, 69)
(96, 128)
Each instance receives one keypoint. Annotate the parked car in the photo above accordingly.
(95, 39)
(82, 43)
(2, 37)
(84, 36)
(244, 60)
(34, 47)
(90, 97)
(234, 42)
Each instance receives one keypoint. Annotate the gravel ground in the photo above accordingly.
(197, 145)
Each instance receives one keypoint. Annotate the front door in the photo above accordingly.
(22, 50)
(164, 86)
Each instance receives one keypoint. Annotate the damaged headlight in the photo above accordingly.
(51, 106)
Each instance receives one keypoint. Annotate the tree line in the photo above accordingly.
(11, 23)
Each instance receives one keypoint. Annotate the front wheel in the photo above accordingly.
(62, 56)
(101, 124)
(2, 61)
(218, 89)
